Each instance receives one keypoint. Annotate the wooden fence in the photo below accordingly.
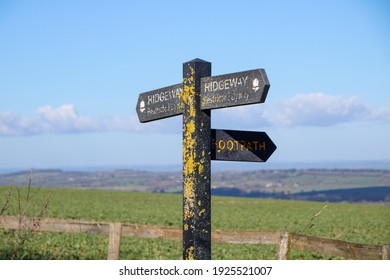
(285, 241)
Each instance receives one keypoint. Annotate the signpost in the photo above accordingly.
(194, 98)
(236, 145)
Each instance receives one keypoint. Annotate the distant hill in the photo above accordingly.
(353, 185)
(368, 195)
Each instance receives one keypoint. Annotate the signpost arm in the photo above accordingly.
(196, 164)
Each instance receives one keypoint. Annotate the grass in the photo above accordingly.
(368, 224)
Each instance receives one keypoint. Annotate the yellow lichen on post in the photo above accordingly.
(190, 253)
(189, 141)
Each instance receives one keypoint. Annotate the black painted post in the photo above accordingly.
(196, 164)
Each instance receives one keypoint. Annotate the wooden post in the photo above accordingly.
(284, 246)
(194, 98)
(196, 164)
(385, 252)
(114, 241)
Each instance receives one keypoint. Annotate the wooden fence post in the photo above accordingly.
(284, 246)
(385, 252)
(114, 241)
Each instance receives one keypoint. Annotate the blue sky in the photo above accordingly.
(71, 73)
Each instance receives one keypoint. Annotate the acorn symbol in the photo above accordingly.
(255, 84)
(142, 106)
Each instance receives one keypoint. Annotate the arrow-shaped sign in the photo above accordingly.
(160, 103)
(236, 89)
(237, 145)
(241, 88)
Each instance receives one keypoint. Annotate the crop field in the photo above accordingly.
(361, 223)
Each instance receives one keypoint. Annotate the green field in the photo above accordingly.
(361, 223)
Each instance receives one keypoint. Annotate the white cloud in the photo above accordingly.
(65, 119)
(11, 124)
(379, 114)
(315, 109)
